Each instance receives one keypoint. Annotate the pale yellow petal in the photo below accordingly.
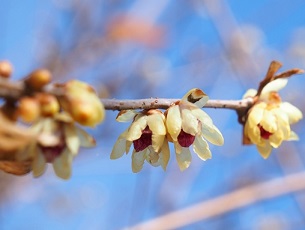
(293, 137)
(268, 122)
(264, 150)
(276, 139)
(201, 148)
(189, 122)
(173, 121)
(138, 160)
(197, 97)
(156, 124)
(164, 155)
(202, 116)
(184, 158)
(157, 141)
(119, 147)
(153, 157)
(275, 85)
(254, 134)
(72, 140)
(250, 93)
(213, 135)
(136, 128)
(39, 163)
(294, 114)
(178, 147)
(62, 164)
(255, 116)
(86, 140)
(126, 115)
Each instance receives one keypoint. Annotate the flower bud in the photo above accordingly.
(6, 69)
(28, 109)
(38, 79)
(48, 104)
(82, 103)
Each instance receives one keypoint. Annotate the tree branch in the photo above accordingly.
(17, 89)
(226, 203)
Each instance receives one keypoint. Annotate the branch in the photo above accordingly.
(226, 203)
(17, 89)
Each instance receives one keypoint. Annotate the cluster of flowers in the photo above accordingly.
(54, 119)
(269, 119)
(183, 123)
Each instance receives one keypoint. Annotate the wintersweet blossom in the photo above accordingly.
(188, 125)
(268, 122)
(147, 133)
(59, 140)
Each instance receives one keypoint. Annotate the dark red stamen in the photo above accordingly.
(264, 134)
(50, 153)
(144, 141)
(185, 139)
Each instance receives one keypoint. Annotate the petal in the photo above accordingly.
(254, 134)
(85, 139)
(269, 122)
(126, 115)
(157, 141)
(39, 163)
(294, 114)
(276, 139)
(173, 121)
(119, 147)
(189, 122)
(255, 116)
(213, 135)
(136, 128)
(264, 150)
(275, 85)
(178, 147)
(156, 124)
(184, 158)
(164, 155)
(62, 164)
(250, 93)
(72, 139)
(201, 148)
(202, 116)
(197, 97)
(138, 160)
(293, 136)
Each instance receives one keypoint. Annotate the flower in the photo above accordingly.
(58, 142)
(82, 103)
(147, 133)
(268, 122)
(188, 125)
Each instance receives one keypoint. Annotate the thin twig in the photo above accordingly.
(226, 203)
(16, 89)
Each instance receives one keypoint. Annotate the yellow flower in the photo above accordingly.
(268, 122)
(82, 103)
(58, 142)
(147, 134)
(188, 125)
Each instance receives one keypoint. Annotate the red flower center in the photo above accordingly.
(185, 139)
(144, 141)
(264, 133)
(52, 152)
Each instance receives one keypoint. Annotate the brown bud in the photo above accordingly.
(28, 109)
(48, 104)
(6, 69)
(38, 79)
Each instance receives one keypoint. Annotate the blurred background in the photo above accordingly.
(132, 49)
